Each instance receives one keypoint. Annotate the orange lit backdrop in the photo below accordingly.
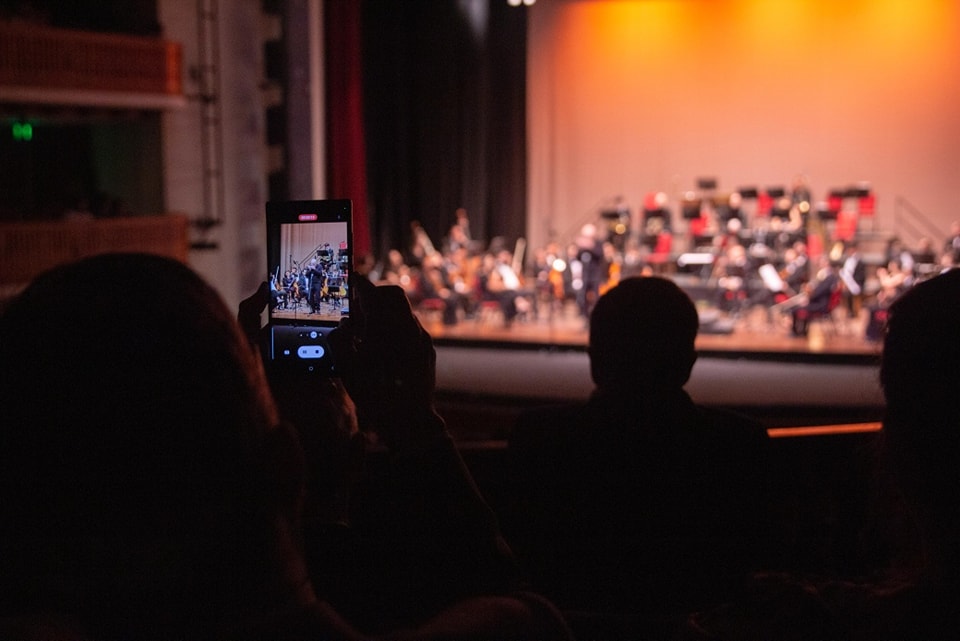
(631, 96)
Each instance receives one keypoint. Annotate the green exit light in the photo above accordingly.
(22, 131)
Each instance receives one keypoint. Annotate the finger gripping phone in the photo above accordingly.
(309, 260)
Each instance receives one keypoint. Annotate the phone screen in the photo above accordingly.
(309, 262)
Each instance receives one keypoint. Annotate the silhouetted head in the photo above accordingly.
(642, 333)
(136, 479)
(920, 374)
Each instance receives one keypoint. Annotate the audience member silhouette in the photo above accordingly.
(148, 489)
(413, 535)
(921, 449)
(638, 505)
(921, 384)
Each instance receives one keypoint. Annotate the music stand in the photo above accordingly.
(778, 211)
(825, 212)
(658, 212)
(655, 221)
(858, 191)
(618, 226)
(691, 208)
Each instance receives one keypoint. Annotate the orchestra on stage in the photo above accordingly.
(775, 249)
(315, 288)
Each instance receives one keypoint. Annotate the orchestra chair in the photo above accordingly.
(431, 308)
(489, 311)
(836, 296)
(867, 208)
(846, 225)
(660, 256)
(764, 204)
(835, 202)
(283, 299)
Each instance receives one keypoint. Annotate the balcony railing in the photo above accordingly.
(27, 249)
(35, 59)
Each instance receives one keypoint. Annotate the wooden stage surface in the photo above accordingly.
(752, 332)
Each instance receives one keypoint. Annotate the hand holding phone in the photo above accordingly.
(388, 365)
(309, 262)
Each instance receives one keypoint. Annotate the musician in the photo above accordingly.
(946, 262)
(924, 255)
(733, 210)
(775, 235)
(590, 257)
(894, 279)
(436, 283)
(854, 276)
(456, 239)
(463, 223)
(277, 297)
(497, 281)
(770, 291)
(819, 292)
(796, 267)
(952, 244)
(543, 261)
(325, 254)
(731, 236)
(731, 270)
(461, 268)
(925, 261)
(302, 286)
(420, 245)
(898, 252)
(800, 195)
(633, 262)
(395, 271)
(315, 277)
(572, 276)
(292, 284)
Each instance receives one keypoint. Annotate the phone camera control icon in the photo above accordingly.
(310, 351)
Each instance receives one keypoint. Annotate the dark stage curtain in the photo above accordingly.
(444, 114)
(346, 161)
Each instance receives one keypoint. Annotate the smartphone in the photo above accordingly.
(309, 260)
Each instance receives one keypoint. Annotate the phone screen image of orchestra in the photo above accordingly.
(309, 281)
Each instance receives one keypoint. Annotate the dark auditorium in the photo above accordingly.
(479, 319)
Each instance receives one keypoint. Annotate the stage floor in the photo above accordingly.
(753, 332)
